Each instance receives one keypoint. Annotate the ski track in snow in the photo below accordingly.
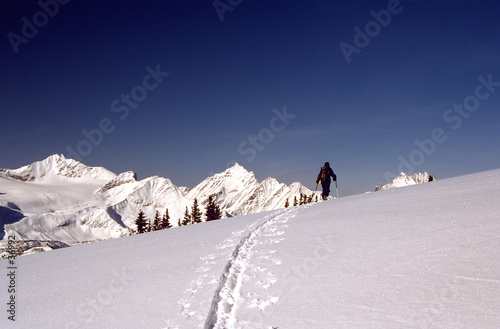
(207, 278)
(222, 312)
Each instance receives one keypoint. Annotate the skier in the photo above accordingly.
(324, 179)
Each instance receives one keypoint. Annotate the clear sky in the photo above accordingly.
(180, 89)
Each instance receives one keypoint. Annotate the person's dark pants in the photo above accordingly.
(326, 190)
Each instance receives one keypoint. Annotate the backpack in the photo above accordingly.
(323, 175)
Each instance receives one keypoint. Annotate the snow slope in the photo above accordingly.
(65, 201)
(425, 256)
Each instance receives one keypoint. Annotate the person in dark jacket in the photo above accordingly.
(324, 179)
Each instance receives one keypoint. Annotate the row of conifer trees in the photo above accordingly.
(304, 199)
(212, 212)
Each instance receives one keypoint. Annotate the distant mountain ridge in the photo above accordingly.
(59, 199)
(405, 180)
(58, 167)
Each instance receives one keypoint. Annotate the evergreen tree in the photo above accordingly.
(187, 218)
(287, 204)
(316, 198)
(165, 221)
(195, 212)
(179, 224)
(156, 222)
(141, 223)
(295, 203)
(149, 225)
(310, 198)
(213, 210)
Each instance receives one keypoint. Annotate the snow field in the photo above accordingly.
(398, 259)
(423, 256)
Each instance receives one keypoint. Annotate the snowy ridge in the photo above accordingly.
(404, 180)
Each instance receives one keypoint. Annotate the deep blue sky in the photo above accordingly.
(226, 77)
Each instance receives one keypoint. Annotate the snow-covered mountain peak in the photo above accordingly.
(232, 181)
(270, 184)
(56, 167)
(270, 181)
(298, 187)
(237, 171)
(155, 191)
(405, 180)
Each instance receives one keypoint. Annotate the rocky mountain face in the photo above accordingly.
(63, 200)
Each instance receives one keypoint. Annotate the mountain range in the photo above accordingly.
(59, 201)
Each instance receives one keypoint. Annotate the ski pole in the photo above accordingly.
(337, 189)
